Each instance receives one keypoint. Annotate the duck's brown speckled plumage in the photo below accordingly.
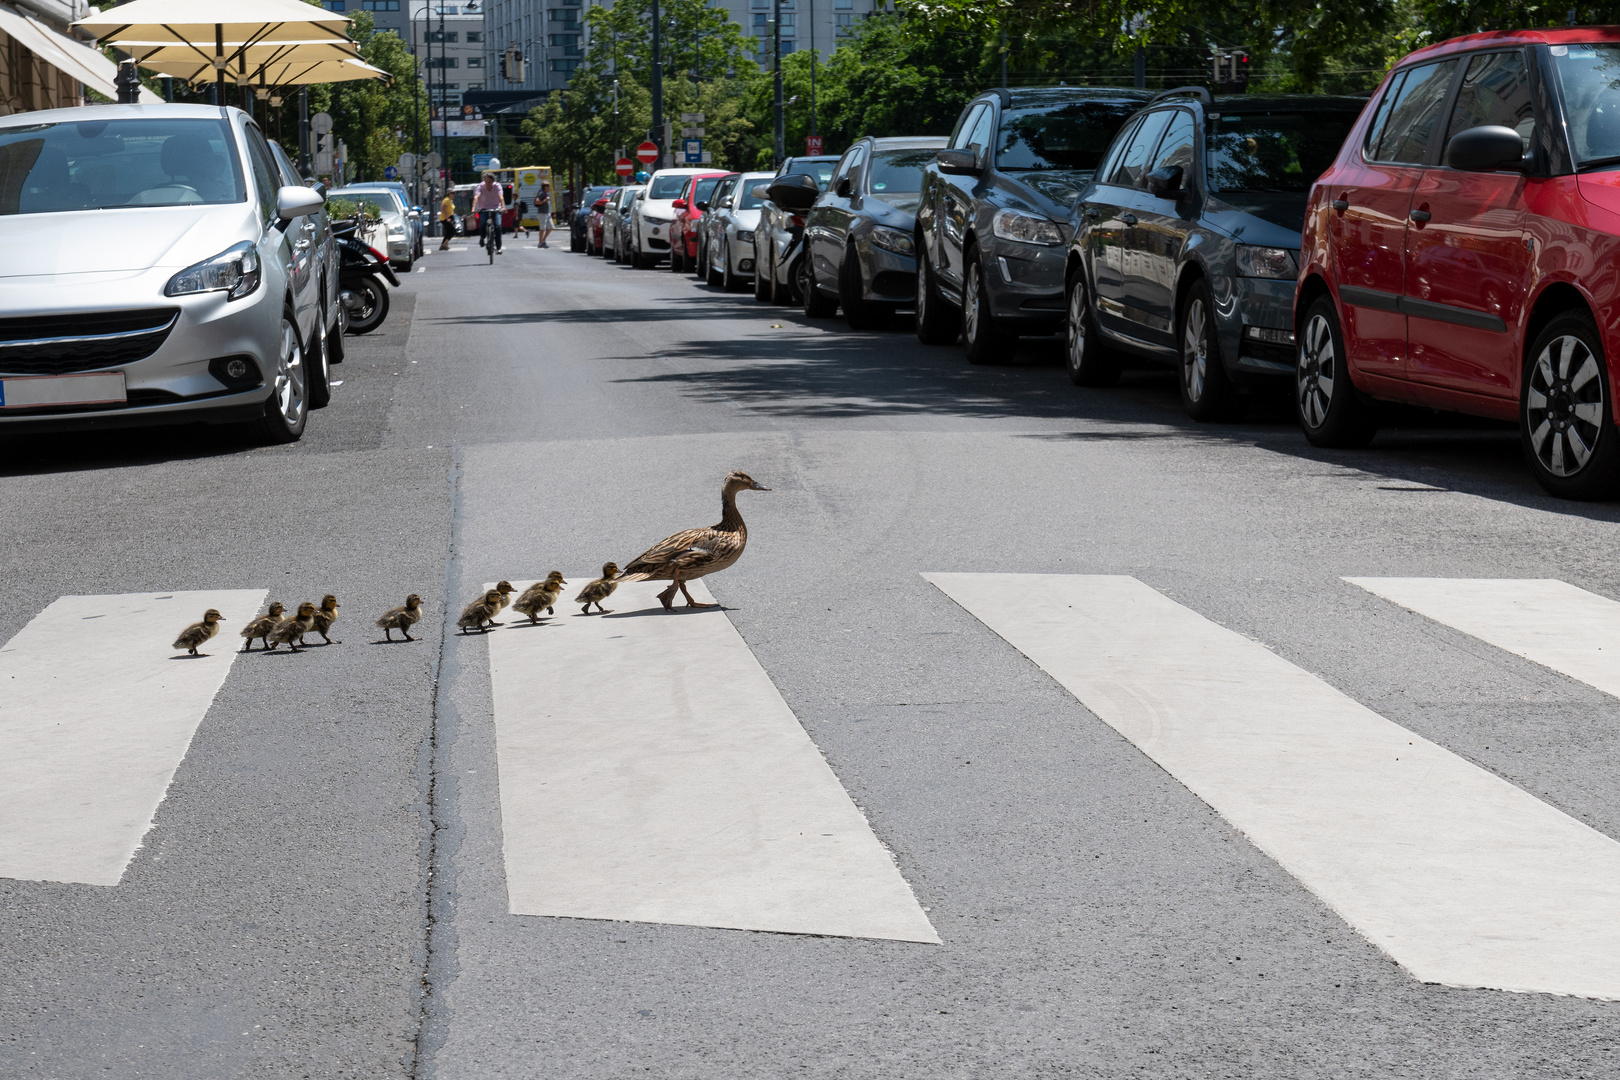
(401, 618)
(599, 590)
(695, 553)
(325, 616)
(199, 632)
(292, 630)
(480, 611)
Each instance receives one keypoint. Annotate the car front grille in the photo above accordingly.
(82, 341)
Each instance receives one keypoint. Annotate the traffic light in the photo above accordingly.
(1230, 70)
(512, 65)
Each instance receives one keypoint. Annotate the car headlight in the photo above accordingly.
(1026, 228)
(745, 236)
(654, 220)
(1266, 262)
(892, 240)
(234, 271)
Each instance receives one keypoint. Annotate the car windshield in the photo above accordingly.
(705, 188)
(1272, 151)
(898, 172)
(1589, 77)
(1072, 136)
(667, 187)
(821, 171)
(748, 200)
(386, 201)
(115, 164)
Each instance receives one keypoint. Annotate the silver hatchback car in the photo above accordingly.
(158, 270)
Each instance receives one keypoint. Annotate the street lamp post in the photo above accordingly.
(657, 85)
(776, 64)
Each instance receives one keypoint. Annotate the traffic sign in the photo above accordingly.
(406, 162)
(625, 166)
(321, 123)
(481, 161)
(691, 133)
(693, 149)
(390, 173)
(691, 118)
(434, 160)
(647, 152)
(812, 145)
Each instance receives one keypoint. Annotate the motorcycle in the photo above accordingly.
(364, 300)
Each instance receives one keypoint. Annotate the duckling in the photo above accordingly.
(402, 618)
(261, 626)
(325, 616)
(540, 597)
(506, 590)
(292, 630)
(480, 611)
(199, 632)
(599, 590)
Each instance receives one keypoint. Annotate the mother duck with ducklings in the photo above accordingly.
(694, 553)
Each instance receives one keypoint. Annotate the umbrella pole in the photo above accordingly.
(219, 64)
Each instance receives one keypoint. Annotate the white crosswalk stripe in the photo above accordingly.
(1461, 877)
(651, 772)
(1549, 622)
(96, 713)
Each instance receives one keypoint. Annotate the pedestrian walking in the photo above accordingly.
(542, 212)
(447, 221)
(517, 223)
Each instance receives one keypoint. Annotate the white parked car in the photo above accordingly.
(614, 221)
(653, 211)
(396, 222)
(730, 226)
(414, 218)
(158, 270)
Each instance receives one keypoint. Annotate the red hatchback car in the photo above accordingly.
(1463, 252)
(683, 231)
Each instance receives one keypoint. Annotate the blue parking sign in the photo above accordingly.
(693, 149)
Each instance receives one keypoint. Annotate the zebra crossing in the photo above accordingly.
(650, 771)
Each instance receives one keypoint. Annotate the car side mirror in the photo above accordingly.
(958, 162)
(317, 187)
(293, 202)
(679, 204)
(844, 187)
(794, 192)
(1165, 182)
(1485, 149)
(761, 191)
(701, 205)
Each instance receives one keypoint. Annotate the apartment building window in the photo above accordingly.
(565, 40)
(475, 86)
(475, 61)
(474, 36)
(564, 15)
(787, 47)
(843, 23)
(843, 5)
(760, 5)
(567, 67)
(442, 36)
(443, 61)
(761, 21)
(334, 5)
(379, 5)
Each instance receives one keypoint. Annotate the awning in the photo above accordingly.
(72, 58)
(206, 21)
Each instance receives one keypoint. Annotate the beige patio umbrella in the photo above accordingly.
(246, 61)
(205, 26)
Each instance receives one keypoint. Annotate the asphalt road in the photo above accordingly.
(323, 891)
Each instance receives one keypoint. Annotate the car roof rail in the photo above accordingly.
(1196, 90)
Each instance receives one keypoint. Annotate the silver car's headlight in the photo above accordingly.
(234, 271)
(745, 236)
(892, 240)
(1266, 262)
(1026, 228)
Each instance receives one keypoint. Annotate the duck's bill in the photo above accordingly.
(758, 487)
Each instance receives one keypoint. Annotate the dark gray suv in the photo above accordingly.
(1185, 246)
(993, 212)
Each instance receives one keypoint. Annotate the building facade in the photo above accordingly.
(549, 33)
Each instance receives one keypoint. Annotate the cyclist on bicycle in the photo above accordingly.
(489, 201)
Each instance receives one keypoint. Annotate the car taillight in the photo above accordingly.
(797, 221)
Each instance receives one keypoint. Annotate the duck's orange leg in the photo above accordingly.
(689, 601)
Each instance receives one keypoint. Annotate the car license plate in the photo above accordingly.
(30, 392)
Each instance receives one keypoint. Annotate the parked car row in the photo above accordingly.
(1451, 242)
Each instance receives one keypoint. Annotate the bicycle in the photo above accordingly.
(488, 223)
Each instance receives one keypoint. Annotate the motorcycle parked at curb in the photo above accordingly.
(364, 300)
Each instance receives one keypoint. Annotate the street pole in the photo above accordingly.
(813, 54)
(305, 164)
(416, 123)
(657, 86)
(776, 64)
(1004, 57)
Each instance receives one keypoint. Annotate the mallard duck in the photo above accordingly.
(402, 618)
(480, 611)
(325, 616)
(199, 632)
(261, 626)
(599, 590)
(696, 552)
(292, 630)
(541, 596)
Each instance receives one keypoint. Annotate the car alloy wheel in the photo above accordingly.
(1317, 371)
(1564, 405)
(290, 373)
(986, 343)
(1194, 353)
(1087, 363)
(936, 324)
(318, 372)
(1206, 391)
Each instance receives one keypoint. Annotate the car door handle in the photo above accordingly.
(1341, 205)
(1128, 219)
(1420, 216)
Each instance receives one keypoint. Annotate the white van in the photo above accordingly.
(654, 210)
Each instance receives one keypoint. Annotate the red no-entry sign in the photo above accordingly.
(625, 166)
(647, 152)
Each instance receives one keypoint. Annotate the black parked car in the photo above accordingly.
(1186, 244)
(992, 219)
(859, 234)
(579, 222)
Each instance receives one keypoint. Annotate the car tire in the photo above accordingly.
(318, 366)
(730, 280)
(676, 257)
(286, 412)
(762, 278)
(577, 245)
(859, 312)
(701, 267)
(937, 322)
(371, 306)
(1330, 413)
(986, 343)
(784, 293)
(714, 277)
(1207, 392)
(817, 304)
(1087, 361)
(1565, 411)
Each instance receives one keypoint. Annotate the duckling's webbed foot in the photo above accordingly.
(407, 635)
